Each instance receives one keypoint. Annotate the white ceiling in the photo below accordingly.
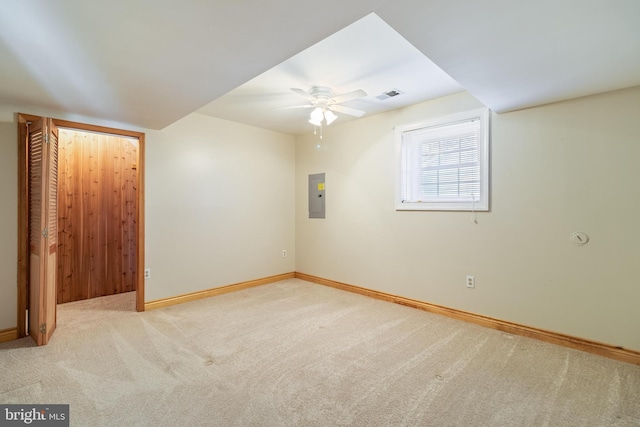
(149, 63)
(366, 55)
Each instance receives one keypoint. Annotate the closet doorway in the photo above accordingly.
(97, 203)
(94, 207)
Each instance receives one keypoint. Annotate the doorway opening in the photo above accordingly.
(99, 210)
(97, 203)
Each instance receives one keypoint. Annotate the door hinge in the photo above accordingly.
(45, 233)
(46, 138)
(43, 328)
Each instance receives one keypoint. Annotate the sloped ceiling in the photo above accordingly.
(149, 63)
(517, 54)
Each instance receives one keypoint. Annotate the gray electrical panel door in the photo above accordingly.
(316, 195)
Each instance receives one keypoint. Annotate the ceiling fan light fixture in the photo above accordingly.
(329, 117)
(315, 122)
(316, 115)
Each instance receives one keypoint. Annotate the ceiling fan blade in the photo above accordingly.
(349, 96)
(347, 110)
(296, 106)
(303, 93)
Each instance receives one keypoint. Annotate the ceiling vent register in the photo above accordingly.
(389, 94)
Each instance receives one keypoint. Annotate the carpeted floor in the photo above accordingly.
(296, 353)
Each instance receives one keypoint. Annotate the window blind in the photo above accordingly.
(441, 163)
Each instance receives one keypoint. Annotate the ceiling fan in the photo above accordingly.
(324, 103)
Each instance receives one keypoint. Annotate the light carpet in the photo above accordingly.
(297, 353)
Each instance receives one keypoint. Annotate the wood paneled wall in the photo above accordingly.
(97, 215)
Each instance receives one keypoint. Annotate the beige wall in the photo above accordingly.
(556, 169)
(8, 224)
(219, 205)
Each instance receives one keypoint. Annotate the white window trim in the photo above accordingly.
(484, 146)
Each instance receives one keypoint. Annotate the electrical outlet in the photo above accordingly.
(284, 253)
(471, 282)
(147, 273)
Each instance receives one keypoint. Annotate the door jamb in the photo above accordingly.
(23, 210)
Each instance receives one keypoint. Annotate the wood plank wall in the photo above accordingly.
(97, 215)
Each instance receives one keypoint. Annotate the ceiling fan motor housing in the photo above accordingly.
(322, 94)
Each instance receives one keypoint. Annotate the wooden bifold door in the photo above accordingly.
(42, 142)
(81, 217)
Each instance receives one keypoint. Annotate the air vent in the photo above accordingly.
(389, 94)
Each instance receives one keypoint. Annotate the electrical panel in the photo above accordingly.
(316, 196)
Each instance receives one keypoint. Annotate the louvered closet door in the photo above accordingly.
(43, 228)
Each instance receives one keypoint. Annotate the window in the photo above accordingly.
(443, 164)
